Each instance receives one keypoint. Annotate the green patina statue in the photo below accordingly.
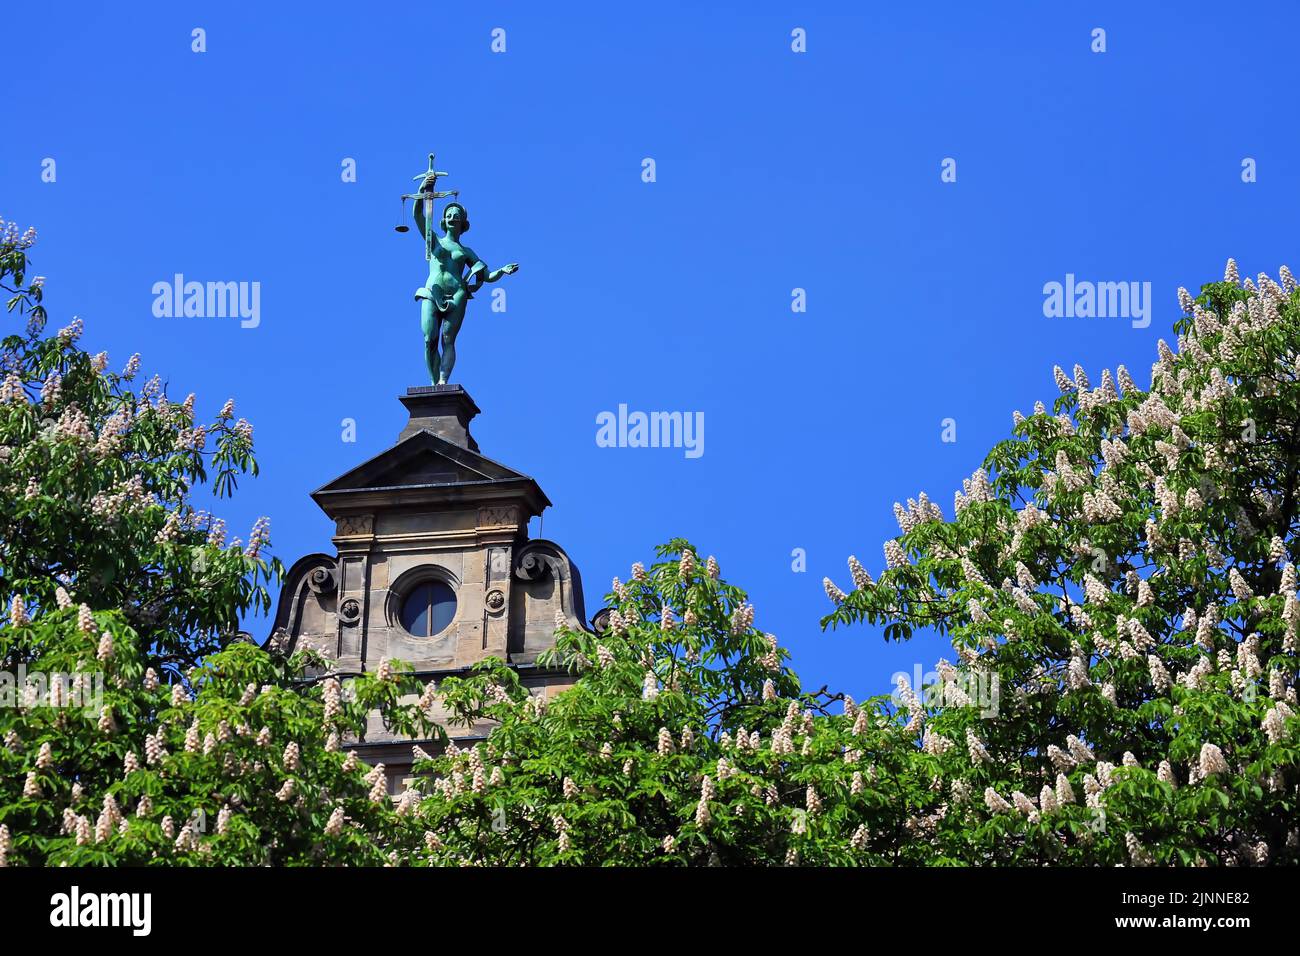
(455, 274)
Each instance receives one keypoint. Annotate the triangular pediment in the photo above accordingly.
(420, 461)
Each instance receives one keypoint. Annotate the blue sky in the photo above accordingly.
(775, 170)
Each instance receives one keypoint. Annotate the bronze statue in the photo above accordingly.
(455, 274)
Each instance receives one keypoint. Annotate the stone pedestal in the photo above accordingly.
(444, 410)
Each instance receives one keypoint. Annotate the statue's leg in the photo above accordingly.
(429, 326)
(451, 320)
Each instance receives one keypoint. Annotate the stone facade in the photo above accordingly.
(431, 509)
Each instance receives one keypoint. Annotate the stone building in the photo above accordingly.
(432, 566)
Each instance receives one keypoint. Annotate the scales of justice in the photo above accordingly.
(455, 272)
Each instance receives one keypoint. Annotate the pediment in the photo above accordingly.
(422, 459)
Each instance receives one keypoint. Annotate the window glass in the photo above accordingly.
(428, 609)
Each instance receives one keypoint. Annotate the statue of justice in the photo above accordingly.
(455, 272)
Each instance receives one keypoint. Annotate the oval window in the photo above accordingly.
(428, 609)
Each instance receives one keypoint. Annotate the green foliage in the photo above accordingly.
(1117, 584)
(97, 483)
(684, 740)
(1125, 568)
(134, 727)
(238, 765)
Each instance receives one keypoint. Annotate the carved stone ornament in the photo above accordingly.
(498, 517)
(350, 611)
(495, 600)
(533, 562)
(350, 525)
(323, 580)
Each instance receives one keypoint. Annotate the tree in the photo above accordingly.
(1117, 585)
(1124, 568)
(135, 726)
(98, 485)
(653, 756)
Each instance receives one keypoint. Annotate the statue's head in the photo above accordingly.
(455, 220)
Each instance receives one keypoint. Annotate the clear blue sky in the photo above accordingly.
(775, 170)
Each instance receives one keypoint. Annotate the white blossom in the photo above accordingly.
(1211, 760)
(994, 801)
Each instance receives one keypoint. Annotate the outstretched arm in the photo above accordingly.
(479, 272)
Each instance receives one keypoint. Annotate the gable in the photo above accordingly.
(422, 459)
(424, 469)
(427, 469)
